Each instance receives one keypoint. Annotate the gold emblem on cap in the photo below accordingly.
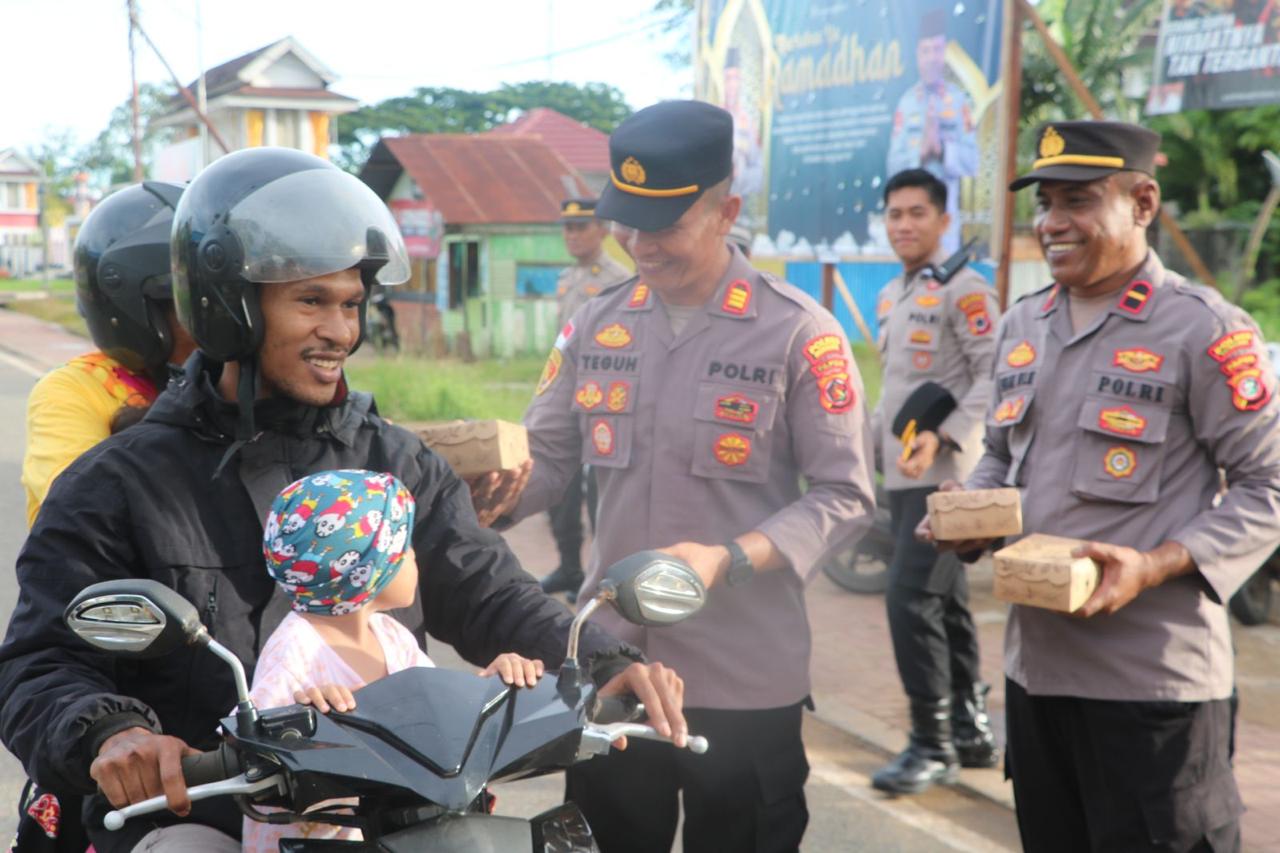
(1052, 144)
(632, 171)
(572, 207)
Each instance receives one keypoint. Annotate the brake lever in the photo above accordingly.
(612, 731)
(235, 785)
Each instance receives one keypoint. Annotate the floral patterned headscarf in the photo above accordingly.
(333, 540)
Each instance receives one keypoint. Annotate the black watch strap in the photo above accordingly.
(740, 568)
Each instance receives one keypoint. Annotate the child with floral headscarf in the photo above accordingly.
(338, 543)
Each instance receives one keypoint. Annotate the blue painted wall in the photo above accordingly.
(865, 281)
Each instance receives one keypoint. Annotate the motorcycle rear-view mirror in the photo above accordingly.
(133, 618)
(138, 618)
(655, 589)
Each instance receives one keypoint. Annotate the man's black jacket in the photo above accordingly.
(145, 503)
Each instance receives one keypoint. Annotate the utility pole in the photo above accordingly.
(133, 77)
(200, 90)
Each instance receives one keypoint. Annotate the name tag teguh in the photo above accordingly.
(1039, 571)
(476, 447)
(978, 514)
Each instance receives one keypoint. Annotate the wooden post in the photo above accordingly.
(1091, 104)
(1012, 65)
(858, 319)
(828, 287)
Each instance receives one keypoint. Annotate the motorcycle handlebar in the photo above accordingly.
(212, 766)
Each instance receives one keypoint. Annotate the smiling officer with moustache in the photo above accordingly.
(701, 392)
(1124, 393)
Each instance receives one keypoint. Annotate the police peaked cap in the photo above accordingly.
(1087, 150)
(928, 405)
(662, 159)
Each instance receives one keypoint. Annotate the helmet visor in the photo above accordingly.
(314, 223)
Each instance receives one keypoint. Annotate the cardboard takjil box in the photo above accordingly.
(476, 447)
(1040, 571)
(979, 514)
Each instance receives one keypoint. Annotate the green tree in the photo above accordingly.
(447, 110)
(1103, 40)
(59, 158)
(109, 157)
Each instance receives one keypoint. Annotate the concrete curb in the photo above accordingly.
(988, 784)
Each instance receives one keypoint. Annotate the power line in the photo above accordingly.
(652, 25)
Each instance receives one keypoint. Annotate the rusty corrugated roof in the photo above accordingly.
(477, 179)
(583, 147)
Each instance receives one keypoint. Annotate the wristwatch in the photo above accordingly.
(740, 568)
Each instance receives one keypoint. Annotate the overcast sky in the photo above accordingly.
(67, 61)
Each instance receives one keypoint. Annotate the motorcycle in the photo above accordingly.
(1252, 602)
(420, 748)
(864, 568)
(381, 324)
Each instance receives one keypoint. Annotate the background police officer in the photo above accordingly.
(592, 271)
(942, 333)
(1123, 395)
(933, 127)
(701, 392)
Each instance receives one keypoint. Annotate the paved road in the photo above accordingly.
(15, 382)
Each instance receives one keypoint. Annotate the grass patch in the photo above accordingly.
(26, 285)
(57, 309)
(869, 366)
(415, 389)
(411, 389)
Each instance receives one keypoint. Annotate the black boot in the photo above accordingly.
(971, 727)
(566, 579)
(929, 757)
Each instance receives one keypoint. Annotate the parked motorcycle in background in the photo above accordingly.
(381, 323)
(421, 746)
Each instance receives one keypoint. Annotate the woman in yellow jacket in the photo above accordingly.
(123, 292)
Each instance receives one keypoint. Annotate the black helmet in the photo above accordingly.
(122, 274)
(272, 215)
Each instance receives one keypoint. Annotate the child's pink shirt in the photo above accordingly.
(295, 657)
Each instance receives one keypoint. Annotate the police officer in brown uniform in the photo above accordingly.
(592, 271)
(701, 392)
(943, 333)
(1123, 394)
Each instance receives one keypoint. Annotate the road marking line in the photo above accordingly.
(858, 787)
(20, 365)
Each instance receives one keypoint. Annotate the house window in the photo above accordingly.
(464, 272)
(12, 197)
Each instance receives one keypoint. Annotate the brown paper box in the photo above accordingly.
(476, 447)
(977, 514)
(1040, 571)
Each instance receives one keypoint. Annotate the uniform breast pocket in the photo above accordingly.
(733, 431)
(1120, 450)
(606, 403)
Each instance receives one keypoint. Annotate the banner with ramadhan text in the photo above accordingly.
(832, 97)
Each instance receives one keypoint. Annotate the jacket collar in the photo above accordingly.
(191, 401)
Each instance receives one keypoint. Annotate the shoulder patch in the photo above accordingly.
(550, 371)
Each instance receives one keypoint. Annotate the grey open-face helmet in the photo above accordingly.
(266, 216)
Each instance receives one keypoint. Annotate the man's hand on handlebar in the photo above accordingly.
(661, 691)
(137, 764)
(963, 547)
(496, 493)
